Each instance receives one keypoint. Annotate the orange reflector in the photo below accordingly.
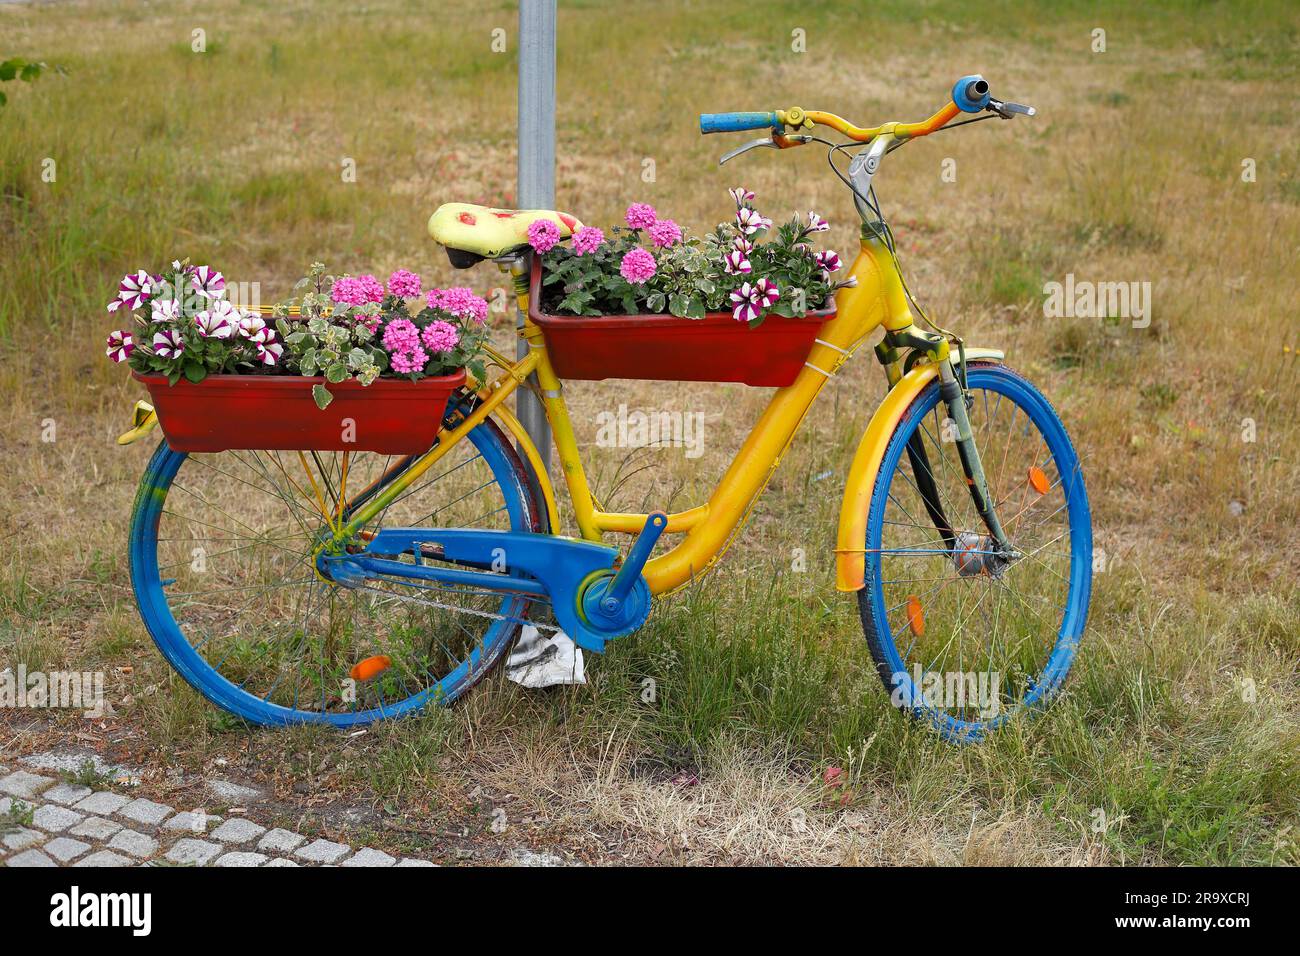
(915, 616)
(1037, 480)
(371, 667)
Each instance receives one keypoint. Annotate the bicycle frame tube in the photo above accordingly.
(877, 298)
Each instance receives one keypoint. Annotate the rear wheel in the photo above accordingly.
(960, 639)
(221, 564)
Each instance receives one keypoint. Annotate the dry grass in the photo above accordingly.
(1132, 171)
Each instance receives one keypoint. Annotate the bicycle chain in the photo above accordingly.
(428, 602)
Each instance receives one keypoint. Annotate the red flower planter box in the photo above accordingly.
(665, 348)
(276, 412)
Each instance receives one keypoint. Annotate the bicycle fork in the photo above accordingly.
(975, 556)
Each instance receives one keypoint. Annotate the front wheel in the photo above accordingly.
(960, 638)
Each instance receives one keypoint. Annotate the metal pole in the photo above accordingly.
(536, 163)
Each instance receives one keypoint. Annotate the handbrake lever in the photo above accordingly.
(1008, 110)
(756, 143)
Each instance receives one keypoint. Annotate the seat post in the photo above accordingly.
(532, 415)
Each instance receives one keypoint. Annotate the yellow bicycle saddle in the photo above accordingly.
(482, 232)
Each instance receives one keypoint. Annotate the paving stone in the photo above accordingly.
(95, 828)
(238, 830)
(102, 803)
(370, 857)
(198, 852)
(282, 841)
(26, 785)
(136, 844)
(234, 793)
(7, 803)
(146, 812)
(30, 858)
(55, 819)
(66, 793)
(241, 859)
(22, 838)
(411, 861)
(280, 861)
(64, 849)
(194, 821)
(72, 761)
(323, 851)
(105, 858)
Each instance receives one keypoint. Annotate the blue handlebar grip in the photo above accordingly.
(971, 93)
(734, 122)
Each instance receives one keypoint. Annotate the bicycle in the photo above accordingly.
(351, 587)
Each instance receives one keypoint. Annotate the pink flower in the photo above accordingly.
(134, 291)
(750, 221)
(641, 215)
(409, 361)
(637, 266)
(741, 244)
(665, 233)
(168, 344)
(829, 261)
(120, 345)
(404, 285)
(749, 301)
(543, 235)
(208, 282)
(460, 302)
(816, 223)
(401, 335)
(439, 336)
(734, 263)
(741, 195)
(587, 239)
(357, 290)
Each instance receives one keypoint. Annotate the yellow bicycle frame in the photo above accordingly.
(877, 298)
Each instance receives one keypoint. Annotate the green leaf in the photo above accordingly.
(336, 372)
(656, 301)
(195, 372)
(322, 396)
(9, 68)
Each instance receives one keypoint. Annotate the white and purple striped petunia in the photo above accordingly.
(135, 290)
(816, 223)
(208, 282)
(829, 261)
(751, 221)
(120, 345)
(168, 344)
(269, 352)
(165, 310)
(254, 329)
(744, 303)
(768, 293)
(741, 244)
(734, 263)
(741, 195)
(219, 321)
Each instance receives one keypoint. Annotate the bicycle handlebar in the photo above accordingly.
(970, 94)
(735, 122)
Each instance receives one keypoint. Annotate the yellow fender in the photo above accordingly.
(850, 544)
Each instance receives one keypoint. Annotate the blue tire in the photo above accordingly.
(518, 510)
(895, 638)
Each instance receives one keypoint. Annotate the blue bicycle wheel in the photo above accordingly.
(221, 565)
(963, 639)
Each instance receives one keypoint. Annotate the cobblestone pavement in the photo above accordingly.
(44, 822)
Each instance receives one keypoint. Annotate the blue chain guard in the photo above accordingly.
(506, 561)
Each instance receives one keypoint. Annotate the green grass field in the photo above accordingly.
(1178, 738)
